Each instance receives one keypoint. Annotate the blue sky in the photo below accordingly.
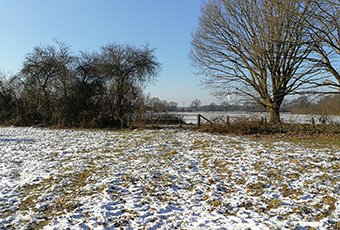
(166, 25)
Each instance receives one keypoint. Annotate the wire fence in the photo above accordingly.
(192, 118)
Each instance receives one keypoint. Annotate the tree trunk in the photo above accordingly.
(274, 115)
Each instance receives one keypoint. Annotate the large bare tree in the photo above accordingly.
(257, 48)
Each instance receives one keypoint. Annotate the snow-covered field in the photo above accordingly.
(163, 179)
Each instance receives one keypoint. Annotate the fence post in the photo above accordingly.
(313, 121)
(198, 120)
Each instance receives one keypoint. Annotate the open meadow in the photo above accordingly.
(165, 179)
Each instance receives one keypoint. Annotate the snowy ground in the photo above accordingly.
(164, 179)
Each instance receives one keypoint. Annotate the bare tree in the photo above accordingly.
(8, 98)
(256, 48)
(324, 26)
(225, 105)
(172, 106)
(195, 104)
(158, 105)
(46, 77)
(129, 69)
(89, 89)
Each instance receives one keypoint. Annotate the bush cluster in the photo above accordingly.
(58, 88)
(261, 126)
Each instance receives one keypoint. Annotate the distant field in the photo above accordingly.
(164, 179)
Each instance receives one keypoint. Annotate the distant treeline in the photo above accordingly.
(57, 88)
(327, 105)
(324, 105)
